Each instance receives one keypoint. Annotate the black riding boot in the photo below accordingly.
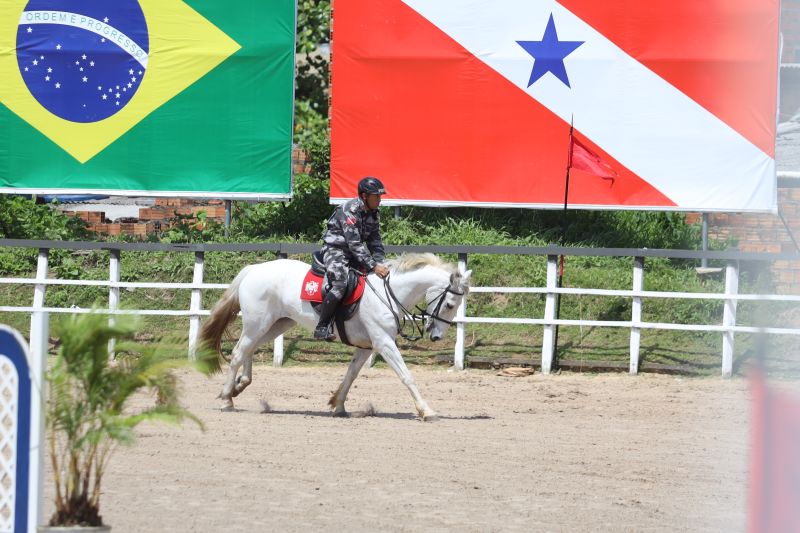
(326, 311)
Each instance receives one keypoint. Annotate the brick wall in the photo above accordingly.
(153, 219)
(300, 163)
(764, 233)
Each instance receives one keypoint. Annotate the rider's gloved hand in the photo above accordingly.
(381, 270)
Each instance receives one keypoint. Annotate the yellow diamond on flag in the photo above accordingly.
(184, 47)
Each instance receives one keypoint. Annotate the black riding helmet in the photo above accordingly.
(370, 185)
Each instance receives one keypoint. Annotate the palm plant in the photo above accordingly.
(87, 412)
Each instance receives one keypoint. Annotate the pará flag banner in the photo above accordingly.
(160, 97)
(469, 103)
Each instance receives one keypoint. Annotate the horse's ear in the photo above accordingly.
(465, 276)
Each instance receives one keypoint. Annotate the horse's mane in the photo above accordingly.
(414, 261)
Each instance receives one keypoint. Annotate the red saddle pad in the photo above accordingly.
(311, 289)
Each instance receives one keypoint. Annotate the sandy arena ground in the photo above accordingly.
(570, 452)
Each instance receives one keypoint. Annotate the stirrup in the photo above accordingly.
(324, 333)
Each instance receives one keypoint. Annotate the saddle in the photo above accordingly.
(314, 289)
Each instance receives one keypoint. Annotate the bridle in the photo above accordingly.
(403, 316)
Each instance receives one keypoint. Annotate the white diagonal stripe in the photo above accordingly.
(651, 127)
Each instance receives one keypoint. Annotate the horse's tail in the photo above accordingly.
(223, 313)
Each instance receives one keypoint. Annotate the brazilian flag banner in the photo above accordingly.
(151, 97)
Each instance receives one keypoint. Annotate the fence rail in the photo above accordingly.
(551, 291)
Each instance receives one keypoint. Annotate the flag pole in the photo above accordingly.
(562, 241)
(566, 186)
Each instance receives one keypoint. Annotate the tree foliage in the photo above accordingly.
(301, 219)
(313, 68)
(22, 218)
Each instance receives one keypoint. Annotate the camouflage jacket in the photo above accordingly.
(355, 230)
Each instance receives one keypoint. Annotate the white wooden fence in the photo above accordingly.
(728, 328)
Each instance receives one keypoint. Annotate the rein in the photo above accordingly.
(416, 319)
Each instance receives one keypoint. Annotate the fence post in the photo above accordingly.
(636, 313)
(458, 356)
(729, 316)
(277, 344)
(277, 356)
(113, 295)
(548, 339)
(196, 304)
(40, 326)
(704, 238)
(228, 208)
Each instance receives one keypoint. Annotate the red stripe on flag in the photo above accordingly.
(723, 54)
(413, 107)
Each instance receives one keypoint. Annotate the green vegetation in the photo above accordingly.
(21, 218)
(279, 223)
(303, 219)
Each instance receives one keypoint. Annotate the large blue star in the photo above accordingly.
(549, 53)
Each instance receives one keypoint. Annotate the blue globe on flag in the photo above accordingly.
(83, 60)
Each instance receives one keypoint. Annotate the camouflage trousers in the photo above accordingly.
(336, 268)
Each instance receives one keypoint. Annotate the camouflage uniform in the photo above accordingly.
(352, 238)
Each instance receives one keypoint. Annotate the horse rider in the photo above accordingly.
(352, 238)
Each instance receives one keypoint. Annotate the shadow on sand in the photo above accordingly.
(359, 414)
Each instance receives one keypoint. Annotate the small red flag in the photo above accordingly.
(774, 459)
(582, 158)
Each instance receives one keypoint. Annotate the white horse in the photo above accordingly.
(268, 295)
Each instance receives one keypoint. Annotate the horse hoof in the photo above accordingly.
(432, 417)
(341, 414)
(227, 406)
